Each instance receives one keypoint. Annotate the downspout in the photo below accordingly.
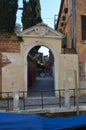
(74, 45)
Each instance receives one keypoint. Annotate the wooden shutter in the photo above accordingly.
(83, 27)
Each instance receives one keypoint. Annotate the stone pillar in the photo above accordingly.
(15, 101)
(67, 98)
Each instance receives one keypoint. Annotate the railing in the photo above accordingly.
(41, 99)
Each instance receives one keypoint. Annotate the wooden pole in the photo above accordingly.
(76, 95)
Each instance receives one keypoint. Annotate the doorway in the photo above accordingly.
(40, 69)
(41, 75)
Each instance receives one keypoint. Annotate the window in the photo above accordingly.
(83, 18)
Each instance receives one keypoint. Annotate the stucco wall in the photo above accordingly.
(12, 74)
(69, 77)
(8, 44)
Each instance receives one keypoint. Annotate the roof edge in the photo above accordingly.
(61, 6)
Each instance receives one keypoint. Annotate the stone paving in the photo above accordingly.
(47, 103)
(45, 84)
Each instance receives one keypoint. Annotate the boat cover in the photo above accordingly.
(13, 121)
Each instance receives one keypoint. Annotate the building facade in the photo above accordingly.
(14, 60)
(72, 23)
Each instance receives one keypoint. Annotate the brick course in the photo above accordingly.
(10, 45)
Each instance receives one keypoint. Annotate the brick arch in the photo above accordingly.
(27, 48)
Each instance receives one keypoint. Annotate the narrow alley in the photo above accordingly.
(42, 84)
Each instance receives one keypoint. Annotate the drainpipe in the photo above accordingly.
(74, 45)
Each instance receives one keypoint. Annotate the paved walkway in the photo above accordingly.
(41, 97)
(44, 84)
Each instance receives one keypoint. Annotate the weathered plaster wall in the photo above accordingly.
(12, 74)
(69, 76)
(8, 44)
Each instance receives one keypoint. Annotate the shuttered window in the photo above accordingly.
(83, 27)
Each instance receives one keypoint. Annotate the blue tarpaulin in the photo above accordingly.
(12, 121)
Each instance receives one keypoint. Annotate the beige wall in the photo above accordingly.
(69, 77)
(14, 75)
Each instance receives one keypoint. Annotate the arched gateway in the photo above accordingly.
(65, 70)
(56, 61)
(42, 35)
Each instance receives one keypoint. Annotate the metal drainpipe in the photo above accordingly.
(74, 44)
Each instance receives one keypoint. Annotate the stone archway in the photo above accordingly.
(27, 48)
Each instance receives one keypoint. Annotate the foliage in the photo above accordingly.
(19, 38)
(8, 10)
(34, 51)
(31, 13)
